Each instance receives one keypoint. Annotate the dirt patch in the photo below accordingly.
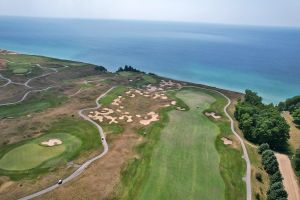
(226, 141)
(289, 179)
(153, 117)
(212, 114)
(51, 142)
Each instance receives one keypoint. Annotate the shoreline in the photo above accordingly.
(228, 92)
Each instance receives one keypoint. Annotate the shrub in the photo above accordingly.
(258, 177)
(296, 160)
(276, 177)
(263, 147)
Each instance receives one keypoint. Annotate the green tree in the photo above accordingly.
(263, 147)
(296, 116)
(296, 160)
(252, 98)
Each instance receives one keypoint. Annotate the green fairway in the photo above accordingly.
(29, 158)
(33, 154)
(19, 68)
(108, 99)
(184, 157)
(185, 162)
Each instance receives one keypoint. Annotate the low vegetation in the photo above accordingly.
(35, 103)
(276, 189)
(262, 123)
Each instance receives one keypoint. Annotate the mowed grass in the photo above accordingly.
(185, 163)
(183, 156)
(35, 103)
(19, 68)
(108, 99)
(29, 159)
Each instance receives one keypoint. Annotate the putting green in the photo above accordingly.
(31, 155)
(185, 162)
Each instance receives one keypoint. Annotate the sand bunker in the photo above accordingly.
(212, 114)
(179, 108)
(153, 117)
(226, 141)
(173, 103)
(52, 142)
(117, 101)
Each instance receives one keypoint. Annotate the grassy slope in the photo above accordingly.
(136, 174)
(36, 103)
(85, 132)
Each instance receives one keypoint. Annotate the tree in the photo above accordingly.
(276, 177)
(252, 98)
(296, 160)
(263, 147)
(296, 116)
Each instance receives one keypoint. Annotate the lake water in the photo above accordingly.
(263, 59)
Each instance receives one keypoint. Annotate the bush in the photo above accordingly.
(263, 147)
(296, 160)
(258, 177)
(276, 177)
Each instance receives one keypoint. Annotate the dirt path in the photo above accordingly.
(290, 181)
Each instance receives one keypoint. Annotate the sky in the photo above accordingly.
(248, 12)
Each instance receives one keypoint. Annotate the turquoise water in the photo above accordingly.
(266, 60)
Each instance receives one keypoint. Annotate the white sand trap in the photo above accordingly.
(128, 92)
(226, 141)
(164, 97)
(118, 110)
(153, 117)
(152, 89)
(146, 95)
(112, 119)
(156, 96)
(212, 114)
(106, 111)
(138, 92)
(167, 105)
(117, 101)
(132, 95)
(173, 103)
(179, 108)
(52, 142)
(129, 118)
(121, 107)
(139, 116)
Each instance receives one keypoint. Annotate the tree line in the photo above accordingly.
(269, 161)
(261, 123)
(129, 68)
(293, 106)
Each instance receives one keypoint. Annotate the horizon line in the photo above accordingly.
(151, 20)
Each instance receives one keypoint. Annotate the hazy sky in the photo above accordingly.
(256, 12)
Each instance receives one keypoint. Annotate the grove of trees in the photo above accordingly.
(261, 123)
(128, 69)
(276, 189)
(293, 106)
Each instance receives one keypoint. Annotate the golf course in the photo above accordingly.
(188, 160)
(38, 155)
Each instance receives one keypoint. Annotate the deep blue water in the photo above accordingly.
(264, 59)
